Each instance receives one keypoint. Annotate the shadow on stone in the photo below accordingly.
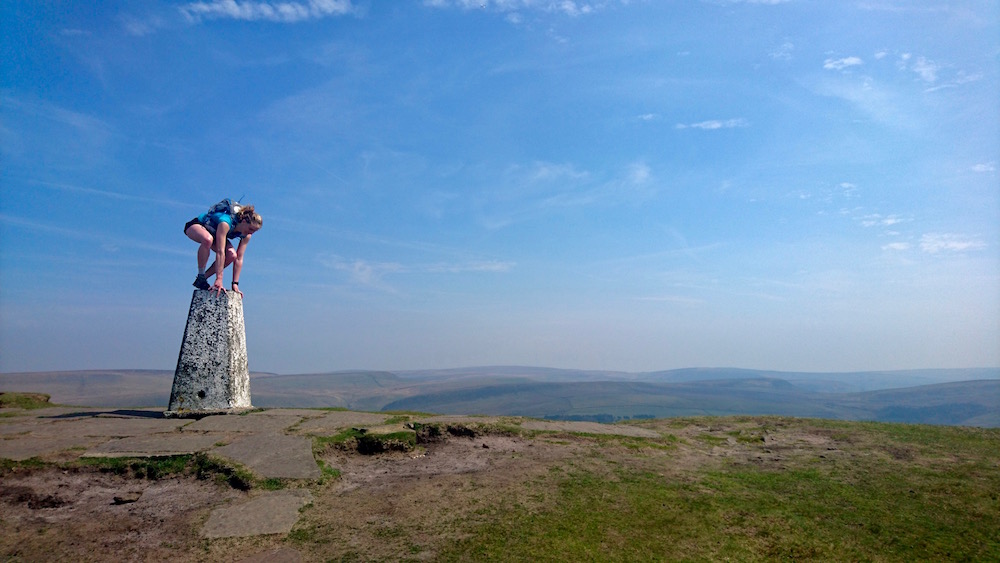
(124, 413)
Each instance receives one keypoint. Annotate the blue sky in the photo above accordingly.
(627, 185)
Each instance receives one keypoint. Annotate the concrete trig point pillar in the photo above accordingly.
(212, 376)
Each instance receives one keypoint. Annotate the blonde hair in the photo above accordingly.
(248, 215)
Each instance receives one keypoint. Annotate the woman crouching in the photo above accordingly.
(214, 231)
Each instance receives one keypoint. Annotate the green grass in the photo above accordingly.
(141, 468)
(398, 419)
(408, 413)
(943, 504)
(634, 443)
(25, 401)
(272, 484)
(366, 443)
(712, 440)
(327, 473)
(12, 466)
(237, 477)
(394, 441)
(321, 443)
(200, 465)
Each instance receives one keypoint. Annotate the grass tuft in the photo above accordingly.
(28, 401)
(139, 468)
(208, 467)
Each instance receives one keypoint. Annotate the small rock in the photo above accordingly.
(485, 447)
(127, 498)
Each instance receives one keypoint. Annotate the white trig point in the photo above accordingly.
(212, 376)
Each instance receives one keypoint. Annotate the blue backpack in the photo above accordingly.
(227, 206)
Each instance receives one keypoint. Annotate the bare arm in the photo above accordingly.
(238, 263)
(220, 256)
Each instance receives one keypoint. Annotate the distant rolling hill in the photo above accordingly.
(105, 388)
(954, 397)
(975, 403)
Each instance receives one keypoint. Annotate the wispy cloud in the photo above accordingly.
(107, 194)
(762, 2)
(715, 124)
(897, 246)
(869, 96)
(512, 8)
(938, 76)
(107, 242)
(97, 130)
(841, 64)
(925, 69)
(877, 220)
(675, 299)
(486, 266)
(531, 191)
(284, 12)
(373, 274)
(848, 189)
(141, 27)
(782, 53)
(362, 272)
(934, 243)
(984, 167)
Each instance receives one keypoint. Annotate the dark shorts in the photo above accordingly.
(189, 223)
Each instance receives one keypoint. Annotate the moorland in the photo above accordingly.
(965, 397)
(742, 488)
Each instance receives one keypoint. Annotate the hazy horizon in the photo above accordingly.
(600, 185)
(510, 369)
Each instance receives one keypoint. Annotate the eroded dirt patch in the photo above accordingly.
(53, 514)
(403, 505)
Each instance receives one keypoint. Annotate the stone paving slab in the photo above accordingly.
(273, 455)
(156, 445)
(256, 422)
(112, 427)
(27, 448)
(590, 428)
(335, 421)
(304, 413)
(270, 513)
(51, 412)
(92, 426)
(19, 427)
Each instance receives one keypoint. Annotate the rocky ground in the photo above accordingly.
(286, 485)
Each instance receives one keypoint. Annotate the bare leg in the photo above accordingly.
(200, 234)
(230, 256)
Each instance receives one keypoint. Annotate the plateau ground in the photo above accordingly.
(473, 488)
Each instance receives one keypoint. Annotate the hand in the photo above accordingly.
(236, 288)
(217, 287)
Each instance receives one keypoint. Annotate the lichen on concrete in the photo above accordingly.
(212, 374)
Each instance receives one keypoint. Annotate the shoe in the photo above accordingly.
(200, 282)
